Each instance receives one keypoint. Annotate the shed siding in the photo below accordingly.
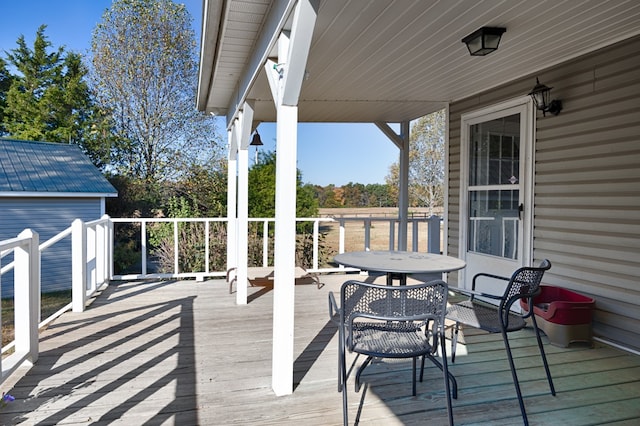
(587, 182)
(48, 217)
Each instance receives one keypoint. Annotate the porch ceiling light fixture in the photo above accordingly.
(256, 141)
(484, 40)
(541, 96)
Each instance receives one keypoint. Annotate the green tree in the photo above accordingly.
(144, 71)
(5, 83)
(355, 195)
(426, 162)
(326, 196)
(49, 98)
(379, 195)
(262, 191)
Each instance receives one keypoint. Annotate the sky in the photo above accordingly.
(327, 153)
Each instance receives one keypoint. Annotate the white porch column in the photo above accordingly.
(403, 198)
(402, 142)
(285, 81)
(232, 197)
(243, 132)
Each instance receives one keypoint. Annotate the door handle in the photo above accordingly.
(520, 210)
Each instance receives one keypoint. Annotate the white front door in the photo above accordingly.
(496, 190)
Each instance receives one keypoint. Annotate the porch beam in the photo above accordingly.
(280, 10)
(402, 142)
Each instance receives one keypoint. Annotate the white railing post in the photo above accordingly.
(91, 257)
(78, 265)
(110, 239)
(27, 295)
(414, 235)
(100, 253)
(341, 238)
(433, 235)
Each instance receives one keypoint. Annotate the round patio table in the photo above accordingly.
(398, 264)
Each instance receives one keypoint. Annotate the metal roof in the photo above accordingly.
(49, 168)
(395, 60)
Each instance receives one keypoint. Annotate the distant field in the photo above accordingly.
(380, 229)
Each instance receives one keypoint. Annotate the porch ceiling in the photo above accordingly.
(396, 60)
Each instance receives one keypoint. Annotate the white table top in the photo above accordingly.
(402, 262)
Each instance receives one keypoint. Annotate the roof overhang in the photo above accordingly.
(394, 61)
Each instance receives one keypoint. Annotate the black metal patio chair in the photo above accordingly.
(523, 284)
(381, 321)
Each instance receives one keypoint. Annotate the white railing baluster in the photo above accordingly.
(316, 250)
(341, 237)
(206, 245)
(392, 234)
(143, 243)
(367, 234)
(265, 243)
(175, 247)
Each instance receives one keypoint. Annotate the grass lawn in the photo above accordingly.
(51, 302)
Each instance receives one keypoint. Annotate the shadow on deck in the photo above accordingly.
(183, 353)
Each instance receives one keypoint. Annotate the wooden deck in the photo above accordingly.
(183, 353)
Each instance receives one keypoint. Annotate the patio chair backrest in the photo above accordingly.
(524, 284)
(419, 302)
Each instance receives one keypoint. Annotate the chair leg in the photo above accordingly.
(413, 376)
(544, 356)
(359, 372)
(343, 388)
(515, 378)
(452, 379)
(445, 370)
(454, 342)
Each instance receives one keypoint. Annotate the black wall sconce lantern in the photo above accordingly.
(541, 96)
(483, 41)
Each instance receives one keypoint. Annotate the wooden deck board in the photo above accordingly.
(183, 353)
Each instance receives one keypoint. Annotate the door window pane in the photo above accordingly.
(495, 152)
(493, 223)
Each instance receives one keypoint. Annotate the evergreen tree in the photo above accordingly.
(49, 98)
(5, 83)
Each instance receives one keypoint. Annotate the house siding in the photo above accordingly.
(587, 182)
(48, 217)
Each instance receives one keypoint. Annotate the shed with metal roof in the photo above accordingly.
(45, 186)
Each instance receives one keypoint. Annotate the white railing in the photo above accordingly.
(92, 250)
(91, 259)
(432, 236)
(145, 251)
